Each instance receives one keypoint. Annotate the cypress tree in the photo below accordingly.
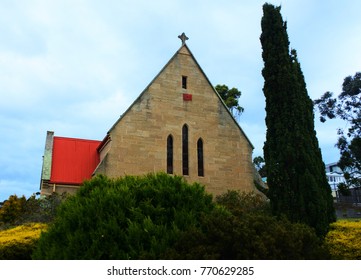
(297, 182)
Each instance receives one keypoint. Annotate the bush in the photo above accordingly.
(18, 243)
(255, 237)
(241, 227)
(41, 210)
(158, 216)
(124, 218)
(344, 241)
(12, 209)
(240, 203)
(17, 211)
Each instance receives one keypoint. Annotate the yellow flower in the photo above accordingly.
(344, 240)
(21, 234)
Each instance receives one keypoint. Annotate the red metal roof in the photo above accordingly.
(74, 160)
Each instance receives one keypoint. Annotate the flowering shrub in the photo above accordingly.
(17, 211)
(344, 240)
(19, 242)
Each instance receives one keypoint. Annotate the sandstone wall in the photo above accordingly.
(139, 138)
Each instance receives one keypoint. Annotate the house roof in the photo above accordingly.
(73, 160)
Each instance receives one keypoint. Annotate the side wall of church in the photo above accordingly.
(139, 138)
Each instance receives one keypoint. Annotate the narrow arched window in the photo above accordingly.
(200, 157)
(185, 158)
(170, 154)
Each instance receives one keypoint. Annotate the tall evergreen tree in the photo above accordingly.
(297, 181)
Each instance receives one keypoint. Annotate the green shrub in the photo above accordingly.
(12, 209)
(124, 218)
(18, 243)
(43, 209)
(254, 236)
(239, 203)
(241, 227)
(344, 240)
(18, 211)
(158, 216)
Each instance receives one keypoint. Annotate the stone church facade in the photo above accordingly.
(179, 125)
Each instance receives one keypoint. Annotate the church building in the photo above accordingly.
(179, 125)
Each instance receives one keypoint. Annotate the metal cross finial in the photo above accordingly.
(183, 37)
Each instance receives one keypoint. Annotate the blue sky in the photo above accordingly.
(74, 66)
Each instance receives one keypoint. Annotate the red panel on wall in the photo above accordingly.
(187, 97)
(74, 160)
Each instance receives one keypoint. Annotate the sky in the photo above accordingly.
(74, 66)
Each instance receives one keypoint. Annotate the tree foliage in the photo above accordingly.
(260, 166)
(242, 227)
(159, 216)
(12, 209)
(230, 98)
(19, 210)
(296, 177)
(124, 218)
(347, 107)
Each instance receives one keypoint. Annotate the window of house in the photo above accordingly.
(184, 82)
(185, 158)
(170, 154)
(200, 157)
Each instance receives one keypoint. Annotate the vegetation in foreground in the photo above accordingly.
(343, 240)
(19, 242)
(162, 217)
(158, 216)
(19, 210)
(21, 223)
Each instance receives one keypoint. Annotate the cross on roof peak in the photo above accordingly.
(183, 37)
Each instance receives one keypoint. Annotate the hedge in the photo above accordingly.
(133, 217)
(19, 242)
(344, 240)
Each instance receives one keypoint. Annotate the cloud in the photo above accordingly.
(101, 112)
(75, 66)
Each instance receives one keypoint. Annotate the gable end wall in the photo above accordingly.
(139, 138)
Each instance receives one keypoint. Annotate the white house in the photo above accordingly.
(334, 176)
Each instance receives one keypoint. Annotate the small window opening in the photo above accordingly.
(184, 82)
